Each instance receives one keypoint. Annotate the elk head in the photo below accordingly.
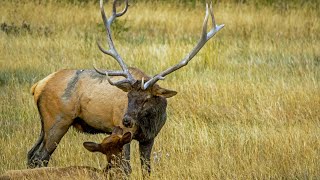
(111, 146)
(145, 95)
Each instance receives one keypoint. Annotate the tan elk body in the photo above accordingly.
(84, 94)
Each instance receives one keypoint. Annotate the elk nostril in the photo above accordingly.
(126, 122)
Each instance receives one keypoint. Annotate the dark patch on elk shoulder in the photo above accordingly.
(80, 125)
(71, 85)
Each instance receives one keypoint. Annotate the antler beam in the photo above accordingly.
(204, 38)
(112, 50)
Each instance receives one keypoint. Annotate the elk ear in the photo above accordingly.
(126, 87)
(164, 92)
(92, 147)
(126, 138)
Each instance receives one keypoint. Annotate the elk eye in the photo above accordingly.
(145, 101)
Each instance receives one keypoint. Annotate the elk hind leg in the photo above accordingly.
(52, 137)
(126, 160)
(35, 148)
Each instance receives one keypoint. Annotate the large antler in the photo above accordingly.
(204, 38)
(112, 50)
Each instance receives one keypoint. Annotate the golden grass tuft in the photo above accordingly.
(248, 105)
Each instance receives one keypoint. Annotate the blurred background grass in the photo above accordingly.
(248, 105)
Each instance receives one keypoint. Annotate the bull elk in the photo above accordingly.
(111, 146)
(96, 101)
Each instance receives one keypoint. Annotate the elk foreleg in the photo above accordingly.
(126, 161)
(145, 153)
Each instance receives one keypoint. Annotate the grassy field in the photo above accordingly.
(248, 105)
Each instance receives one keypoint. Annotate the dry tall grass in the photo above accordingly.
(248, 105)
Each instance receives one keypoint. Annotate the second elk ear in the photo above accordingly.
(126, 138)
(92, 147)
(166, 93)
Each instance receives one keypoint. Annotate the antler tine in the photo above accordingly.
(110, 73)
(103, 50)
(205, 24)
(203, 39)
(112, 50)
(122, 12)
(212, 16)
